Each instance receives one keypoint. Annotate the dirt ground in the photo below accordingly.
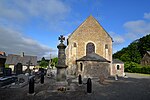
(135, 87)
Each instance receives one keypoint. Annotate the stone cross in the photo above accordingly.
(61, 66)
(28, 66)
(61, 38)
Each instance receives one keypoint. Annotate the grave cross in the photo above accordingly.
(28, 66)
(61, 38)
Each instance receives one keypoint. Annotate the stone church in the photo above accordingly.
(89, 50)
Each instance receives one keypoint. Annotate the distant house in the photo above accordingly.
(146, 59)
(13, 60)
(117, 67)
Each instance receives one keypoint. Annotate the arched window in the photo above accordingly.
(90, 48)
(106, 46)
(81, 67)
(74, 44)
(118, 67)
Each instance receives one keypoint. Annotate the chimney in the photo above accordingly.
(22, 54)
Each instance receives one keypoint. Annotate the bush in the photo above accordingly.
(145, 70)
(136, 68)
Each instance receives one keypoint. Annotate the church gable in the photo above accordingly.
(91, 29)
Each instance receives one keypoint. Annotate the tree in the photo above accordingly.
(54, 62)
(135, 51)
(43, 63)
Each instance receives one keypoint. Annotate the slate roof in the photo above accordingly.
(117, 61)
(93, 57)
(14, 59)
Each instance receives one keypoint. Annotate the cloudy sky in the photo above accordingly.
(33, 26)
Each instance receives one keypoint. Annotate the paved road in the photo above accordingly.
(136, 87)
(137, 75)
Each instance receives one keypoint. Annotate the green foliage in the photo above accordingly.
(144, 44)
(54, 62)
(136, 68)
(43, 59)
(135, 51)
(43, 63)
(125, 57)
(6, 66)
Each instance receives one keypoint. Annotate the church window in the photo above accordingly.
(118, 67)
(67, 42)
(81, 67)
(106, 46)
(74, 45)
(90, 48)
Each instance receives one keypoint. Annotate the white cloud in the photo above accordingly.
(139, 26)
(12, 41)
(137, 29)
(22, 10)
(147, 15)
(118, 39)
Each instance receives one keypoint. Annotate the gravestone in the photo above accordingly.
(22, 79)
(28, 67)
(7, 72)
(1, 71)
(48, 73)
(61, 66)
(18, 69)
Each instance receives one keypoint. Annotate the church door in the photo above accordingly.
(90, 48)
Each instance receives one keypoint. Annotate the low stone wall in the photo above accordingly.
(95, 69)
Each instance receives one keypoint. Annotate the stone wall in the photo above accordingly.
(23, 67)
(120, 71)
(94, 69)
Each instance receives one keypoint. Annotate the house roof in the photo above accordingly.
(89, 18)
(148, 52)
(117, 61)
(93, 57)
(3, 57)
(14, 59)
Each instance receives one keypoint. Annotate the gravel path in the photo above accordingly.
(135, 87)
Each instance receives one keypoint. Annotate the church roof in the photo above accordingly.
(117, 61)
(93, 57)
(90, 18)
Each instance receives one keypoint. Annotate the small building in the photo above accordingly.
(93, 65)
(25, 60)
(146, 59)
(117, 67)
